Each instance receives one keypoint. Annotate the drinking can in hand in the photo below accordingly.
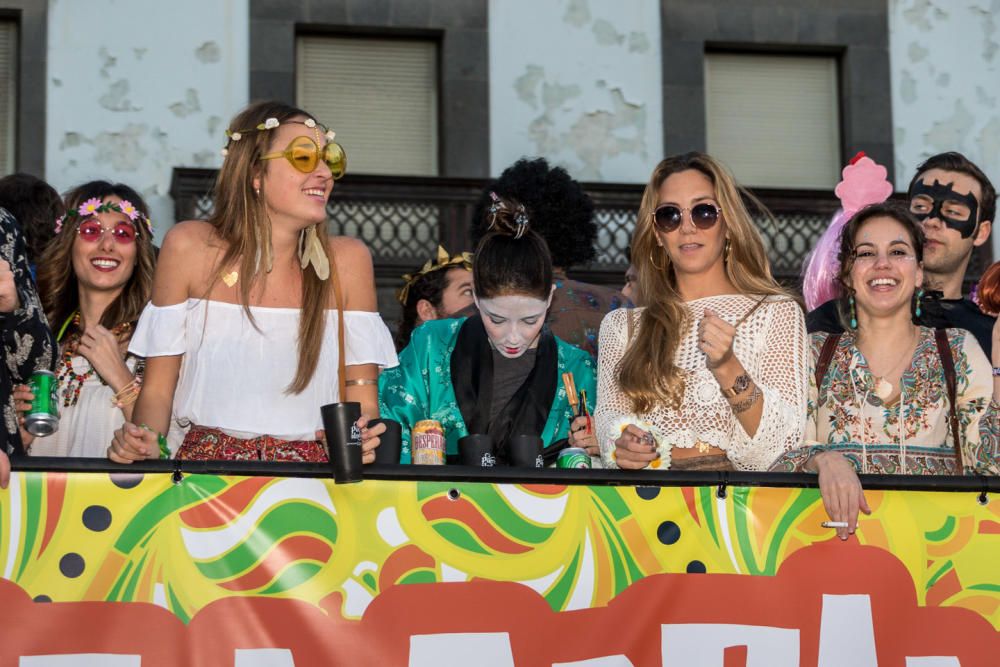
(573, 457)
(427, 443)
(43, 417)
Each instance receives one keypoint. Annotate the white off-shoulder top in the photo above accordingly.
(234, 376)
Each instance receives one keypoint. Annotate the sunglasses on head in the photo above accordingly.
(668, 217)
(304, 154)
(91, 231)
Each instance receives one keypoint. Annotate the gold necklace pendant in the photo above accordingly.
(230, 278)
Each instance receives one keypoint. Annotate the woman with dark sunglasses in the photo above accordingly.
(258, 318)
(713, 372)
(94, 280)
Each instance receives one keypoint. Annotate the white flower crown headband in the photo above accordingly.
(270, 124)
(94, 205)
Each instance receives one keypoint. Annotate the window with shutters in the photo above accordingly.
(774, 119)
(8, 95)
(379, 94)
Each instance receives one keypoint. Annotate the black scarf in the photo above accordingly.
(472, 377)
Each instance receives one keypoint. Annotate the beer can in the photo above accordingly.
(427, 443)
(573, 457)
(42, 418)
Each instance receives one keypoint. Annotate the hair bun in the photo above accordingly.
(507, 217)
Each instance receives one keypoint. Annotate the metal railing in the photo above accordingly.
(403, 218)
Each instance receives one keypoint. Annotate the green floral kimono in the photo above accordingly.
(446, 373)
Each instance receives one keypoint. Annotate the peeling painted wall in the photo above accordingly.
(945, 58)
(577, 81)
(137, 88)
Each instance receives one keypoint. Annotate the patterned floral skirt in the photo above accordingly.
(208, 444)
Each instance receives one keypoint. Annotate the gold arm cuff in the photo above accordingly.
(360, 381)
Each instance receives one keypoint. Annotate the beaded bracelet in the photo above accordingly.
(128, 394)
(161, 440)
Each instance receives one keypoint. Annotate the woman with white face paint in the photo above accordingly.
(497, 373)
(880, 399)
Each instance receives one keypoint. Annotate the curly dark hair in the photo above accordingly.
(36, 206)
(560, 211)
(430, 286)
(848, 237)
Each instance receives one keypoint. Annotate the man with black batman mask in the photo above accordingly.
(956, 204)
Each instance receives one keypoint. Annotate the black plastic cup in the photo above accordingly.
(525, 451)
(390, 443)
(343, 437)
(476, 450)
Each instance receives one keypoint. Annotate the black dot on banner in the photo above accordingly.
(696, 567)
(668, 532)
(97, 518)
(71, 565)
(42, 598)
(126, 480)
(647, 492)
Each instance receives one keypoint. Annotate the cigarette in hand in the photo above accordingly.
(834, 524)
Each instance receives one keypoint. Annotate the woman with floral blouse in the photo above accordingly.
(888, 396)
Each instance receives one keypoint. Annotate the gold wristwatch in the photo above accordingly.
(741, 384)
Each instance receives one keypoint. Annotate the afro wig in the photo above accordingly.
(559, 210)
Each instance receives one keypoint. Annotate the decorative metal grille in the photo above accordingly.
(398, 230)
(402, 219)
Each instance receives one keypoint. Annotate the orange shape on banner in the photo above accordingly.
(734, 656)
(959, 538)
(55, 493)
(944, 588)
(464, 512)
(220, 510)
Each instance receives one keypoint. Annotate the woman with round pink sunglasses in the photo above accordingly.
(94, 279)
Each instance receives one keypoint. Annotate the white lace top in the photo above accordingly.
(87, 427)
(234, 376)
(773, 347)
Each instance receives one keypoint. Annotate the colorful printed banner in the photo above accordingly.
(114, 570)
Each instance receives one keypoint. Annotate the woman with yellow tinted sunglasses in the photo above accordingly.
(242, 332)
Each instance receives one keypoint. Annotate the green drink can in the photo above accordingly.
(573, 457)
(43, 417)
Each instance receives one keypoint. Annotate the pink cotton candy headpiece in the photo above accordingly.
(864, 182)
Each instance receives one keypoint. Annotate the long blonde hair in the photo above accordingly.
(241, 220)
(648, 374)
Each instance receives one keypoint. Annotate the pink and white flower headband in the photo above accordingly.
(94, 205)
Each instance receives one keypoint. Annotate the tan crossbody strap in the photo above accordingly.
(951, 383)
(338, 297)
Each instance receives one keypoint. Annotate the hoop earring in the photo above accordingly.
(658, 268)
(727, 251)
(920, 295)
(854, 316)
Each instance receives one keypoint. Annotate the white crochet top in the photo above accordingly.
(773, 347)
(233, 376)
